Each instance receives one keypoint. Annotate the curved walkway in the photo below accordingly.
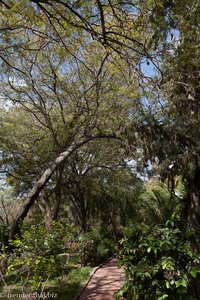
(104, 282)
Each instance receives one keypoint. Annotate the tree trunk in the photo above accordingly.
(194, 209)
(38, 187)
(58, 192)
(194, 222)
(45, 208)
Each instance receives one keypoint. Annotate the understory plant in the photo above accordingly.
(36, 258)
(159, 262)
(96, 246)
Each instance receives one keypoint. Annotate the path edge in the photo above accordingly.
(86, 282)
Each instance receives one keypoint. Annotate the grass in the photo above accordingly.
(66, 287)
(72, 282)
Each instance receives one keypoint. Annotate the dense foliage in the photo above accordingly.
(97, 245)
(36, 257)
(159, 262)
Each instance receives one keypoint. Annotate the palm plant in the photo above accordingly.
(158, 202)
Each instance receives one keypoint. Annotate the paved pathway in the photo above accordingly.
(105, 281)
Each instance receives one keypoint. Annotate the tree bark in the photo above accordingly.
(58, 192)
(47, 212)
(194, 210)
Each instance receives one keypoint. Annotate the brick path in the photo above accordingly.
(106, 280)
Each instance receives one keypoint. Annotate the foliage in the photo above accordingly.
(36, 253)
(118, 194)
(158, 261)
(96, 246)
(66, 287)
(100, 186)
(158, 203)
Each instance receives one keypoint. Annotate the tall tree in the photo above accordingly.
(49, 86)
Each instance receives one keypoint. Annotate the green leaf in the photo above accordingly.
(181, 282)
(194, 271)
(167, 284)
(163, 297)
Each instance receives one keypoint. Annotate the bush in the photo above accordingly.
(96, 246)
(36, 253)
(158, 261)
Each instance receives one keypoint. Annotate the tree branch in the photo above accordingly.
(41, 183)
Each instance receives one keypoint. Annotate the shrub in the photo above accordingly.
(96, 246)
(36, 253)
(158, 262)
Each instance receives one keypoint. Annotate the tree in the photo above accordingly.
(41, 85)
(169, 136)
(102, 188)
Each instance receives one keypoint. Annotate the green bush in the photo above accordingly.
(158, 262)
(96, 246)
(36, 253)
